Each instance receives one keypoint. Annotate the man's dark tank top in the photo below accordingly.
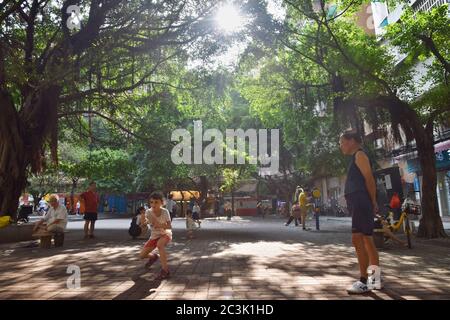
(355, 180)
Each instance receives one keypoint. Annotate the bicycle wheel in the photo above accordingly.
(408, 231)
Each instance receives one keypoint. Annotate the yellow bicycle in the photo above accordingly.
(402, 223)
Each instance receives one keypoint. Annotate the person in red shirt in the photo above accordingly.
(395, 205)
(90, 199)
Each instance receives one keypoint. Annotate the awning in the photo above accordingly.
(184, 195)
(441, 146)
(438, 147)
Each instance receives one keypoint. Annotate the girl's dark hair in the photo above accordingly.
(138, 210)
(156, 196)
(352, 134)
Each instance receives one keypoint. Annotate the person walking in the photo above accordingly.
(295, 215)
(303, 202)
(360, 194)
(259, 209)
(196, 214)
(170, 206)
(228, 209)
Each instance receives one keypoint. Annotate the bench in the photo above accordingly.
(46, 239)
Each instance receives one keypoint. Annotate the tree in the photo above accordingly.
(44, 183)
(73, 165)
(276, 92)
(48, 69)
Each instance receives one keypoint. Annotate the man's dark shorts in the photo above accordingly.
(361, 209)
(90, 216)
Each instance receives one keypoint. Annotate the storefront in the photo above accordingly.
(443, 178)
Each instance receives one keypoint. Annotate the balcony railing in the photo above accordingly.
(427, 5)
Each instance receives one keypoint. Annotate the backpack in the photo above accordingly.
(134, 229)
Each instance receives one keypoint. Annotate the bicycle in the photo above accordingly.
(403, 221)
(340, 211)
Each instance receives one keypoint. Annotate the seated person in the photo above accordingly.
(142, 222)
(43, 206)
(387, 230)
(55, 220)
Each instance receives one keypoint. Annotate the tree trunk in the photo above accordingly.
(431, 223)
(402, 113)
(232, 203)
(181, 202)
(23, 136)
(13, 157)
(72, 195)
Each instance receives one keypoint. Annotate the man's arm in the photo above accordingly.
(363, 163)
(37, 224)
(55, 222)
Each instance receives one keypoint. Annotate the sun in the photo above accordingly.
(229, 19)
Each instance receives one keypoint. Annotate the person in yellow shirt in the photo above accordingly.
(303, 201)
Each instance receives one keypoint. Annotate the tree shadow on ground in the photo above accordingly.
(219, 264)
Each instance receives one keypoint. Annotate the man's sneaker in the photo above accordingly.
(358, 288)
(163, 275)
(151, 260)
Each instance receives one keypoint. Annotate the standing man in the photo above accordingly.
(170, 206)
(316, 198)
(228, 209)
(91, 200)
(360, 194)
(196, 213)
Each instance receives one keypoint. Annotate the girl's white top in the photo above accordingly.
(163, 218)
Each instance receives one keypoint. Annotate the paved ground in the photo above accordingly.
(239, 259)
